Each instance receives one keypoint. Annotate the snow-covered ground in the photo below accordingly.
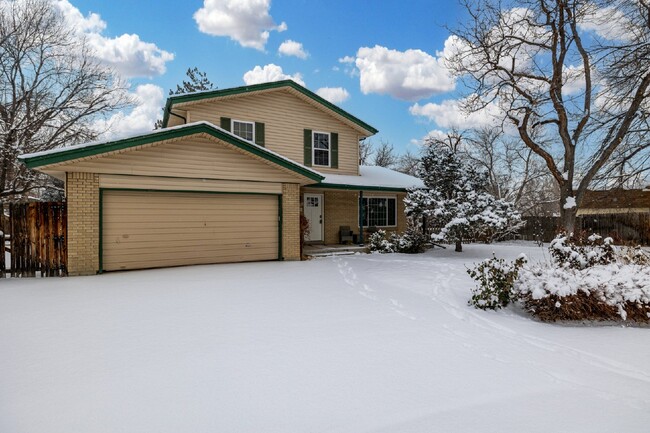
(366, 343)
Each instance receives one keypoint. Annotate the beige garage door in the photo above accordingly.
(157, 229)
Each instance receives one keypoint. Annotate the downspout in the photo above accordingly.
(169, 110)
(361, 217)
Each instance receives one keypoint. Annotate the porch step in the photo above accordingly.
(332, 250)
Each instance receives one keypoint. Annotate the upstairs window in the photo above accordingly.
(379, 211)
(245, 130)
(321, 148)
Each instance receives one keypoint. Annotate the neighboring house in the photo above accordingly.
(624, 213)
(225, 180)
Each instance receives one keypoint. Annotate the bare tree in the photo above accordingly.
(575, 95)
(52, 90)
(365, 151)
(384, 155)
(408, 163)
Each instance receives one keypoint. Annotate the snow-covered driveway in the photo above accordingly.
(378, 343)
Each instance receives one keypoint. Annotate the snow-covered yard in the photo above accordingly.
(366, 343)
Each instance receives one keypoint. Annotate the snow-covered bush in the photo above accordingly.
(496, 279)
(593, 280)
(378, 243)
(603, 292)
(573, 252)
(413, 241)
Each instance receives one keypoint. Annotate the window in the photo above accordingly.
(380, 211)
(321, 148)
(245, 130)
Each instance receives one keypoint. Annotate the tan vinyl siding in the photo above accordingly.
(183, 184)
(194, 157)
(285, 117)
(158, 229)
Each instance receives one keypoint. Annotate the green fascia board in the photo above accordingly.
(192, 97)
(179, 132)
(356, 187)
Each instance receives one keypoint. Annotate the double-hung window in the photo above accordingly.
(321, 148)
(245, 130)
(380, 211)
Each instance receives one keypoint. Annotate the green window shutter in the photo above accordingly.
(334, 151)
(307, 143)
(225, 123)
(259, 134)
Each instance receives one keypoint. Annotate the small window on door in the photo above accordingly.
(312, 201)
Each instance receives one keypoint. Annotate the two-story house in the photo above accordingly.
(225, 180)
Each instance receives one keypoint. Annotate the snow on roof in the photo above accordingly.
(375, 177)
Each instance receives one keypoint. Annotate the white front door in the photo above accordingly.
(313, 210)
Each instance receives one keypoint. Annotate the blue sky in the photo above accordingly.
(393, 68)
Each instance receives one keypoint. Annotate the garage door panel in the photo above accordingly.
(143, 229)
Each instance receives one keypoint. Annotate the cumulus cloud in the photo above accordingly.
(292, 48)
(245, 21)
(148, 99)
(269, 73)
(127, 54)
(449, 114)
(336, 95)
(347, 59)
(408, 75)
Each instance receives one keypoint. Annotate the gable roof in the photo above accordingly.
(189, 98)
(65, 154)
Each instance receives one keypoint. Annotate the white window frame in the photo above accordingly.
(387, 197)
(313, 148)
(232, 128)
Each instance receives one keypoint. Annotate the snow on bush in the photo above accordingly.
(496, 278)
(601, 292)
(591, 281)
(412, 241)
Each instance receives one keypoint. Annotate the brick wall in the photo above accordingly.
(82, 193)
(291, 221)
(342, 209)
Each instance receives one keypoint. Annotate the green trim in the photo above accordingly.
(191, 191)
(280, 255)
(101, 231)
(200, 128)
(356, 187)
(180, 99)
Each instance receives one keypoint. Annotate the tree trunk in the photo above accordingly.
(568, 219)
(459, 246)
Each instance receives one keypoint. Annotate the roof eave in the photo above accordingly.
(41, 161)
(195, 97)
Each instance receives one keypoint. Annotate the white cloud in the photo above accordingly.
(245, 21)
(292, 48)
(127, 54)
(270, 73)
(347, 59)
(449, 114)
(408, 75)
(608, 22)
(336, 95)
(148, 99)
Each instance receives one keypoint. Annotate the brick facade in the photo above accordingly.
(82, 194)
(341, 208)
(290, 221)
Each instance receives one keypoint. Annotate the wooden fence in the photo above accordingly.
(628, 228)
(35, 236)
